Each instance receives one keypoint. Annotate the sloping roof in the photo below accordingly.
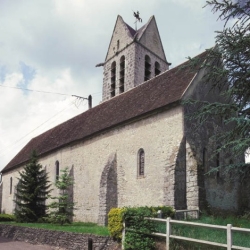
(139, 32)
(163, 90)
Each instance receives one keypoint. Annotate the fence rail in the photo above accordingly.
(229, 229)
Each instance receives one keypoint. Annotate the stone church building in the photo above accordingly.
(137, 147)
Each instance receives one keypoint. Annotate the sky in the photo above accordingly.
(52, 46)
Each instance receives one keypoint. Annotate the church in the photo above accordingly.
(137, 147)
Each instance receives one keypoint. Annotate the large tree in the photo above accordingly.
(31, 192)
(228, 71)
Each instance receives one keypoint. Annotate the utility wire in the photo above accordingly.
(12, 145)
(41, 91)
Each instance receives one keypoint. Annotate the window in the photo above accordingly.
(122, 74)
(141, 162)
(157, 69)
(57, 170)
(118, 44)
(147, 73)
(10, 185)
(113, 79)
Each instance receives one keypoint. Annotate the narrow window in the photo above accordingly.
(141, 162)
(122, 74)
(147, 74)
(10, 185)
(204, 159)
(113, 79)
(57, 170)
(118, 44)
(157, 69)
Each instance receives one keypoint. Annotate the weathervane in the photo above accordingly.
(137, 16)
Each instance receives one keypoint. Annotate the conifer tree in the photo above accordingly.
(31, 192)
(228, 72)
(61, 210)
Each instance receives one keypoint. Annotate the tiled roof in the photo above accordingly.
(139, 32)
(163, 90)
(131, 30)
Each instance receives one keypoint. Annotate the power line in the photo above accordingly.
(12, 145)
(41, 91)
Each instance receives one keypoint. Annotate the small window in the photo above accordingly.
(141, 162)
(157, 69)
(118, 44)
(147, 74)
(10, 185)
(113, 79)
(57, 170)
(122, 74)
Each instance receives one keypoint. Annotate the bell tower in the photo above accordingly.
(133, 57)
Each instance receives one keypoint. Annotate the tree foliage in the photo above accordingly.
(61, 210)
(228, 71)
(31, 192)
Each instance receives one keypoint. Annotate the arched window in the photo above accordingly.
(141, 162)
(157, 69)
(122, 74)
(113, 79)
(147, 74)
(57, 170)
(11, 185)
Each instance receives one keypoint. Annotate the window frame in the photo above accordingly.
(140, 163)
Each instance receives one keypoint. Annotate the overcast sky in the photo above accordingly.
(54, 45)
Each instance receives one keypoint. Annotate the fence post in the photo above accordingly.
(123, 235)
(229, 236)
(168, 232)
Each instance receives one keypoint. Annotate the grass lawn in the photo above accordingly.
(76, 227)
(216, 235)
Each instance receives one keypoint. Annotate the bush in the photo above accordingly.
(137, 227)
(166, 211)
(7, 217)
(115, 223)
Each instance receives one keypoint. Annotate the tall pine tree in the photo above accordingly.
(31, 192)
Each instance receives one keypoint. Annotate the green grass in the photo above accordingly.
(76, 227)
(208, 234)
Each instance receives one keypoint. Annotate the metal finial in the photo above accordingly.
(137, 18)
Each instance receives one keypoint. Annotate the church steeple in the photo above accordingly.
(132, 58)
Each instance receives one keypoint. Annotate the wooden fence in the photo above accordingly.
(229, 229)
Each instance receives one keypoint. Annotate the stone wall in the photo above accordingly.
(65, 240)
(160, 136)
(134, 52)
